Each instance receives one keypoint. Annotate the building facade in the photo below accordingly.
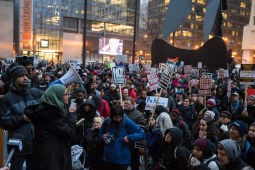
(56, 27)
(248, 44)
(190, 34)
(6, 30)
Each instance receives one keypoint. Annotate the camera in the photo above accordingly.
(109, 139)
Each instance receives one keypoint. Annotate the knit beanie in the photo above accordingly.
(242, 127)
(206, 146)
(18, 71)
(212, 114)
(231, 148)
(211, 101)
(201, 143)
(251, 97)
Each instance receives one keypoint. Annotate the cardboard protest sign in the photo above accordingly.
(153, 81)
(205, 84)
(166, 75)
(118, 75)
(151, 102)
(133, 67)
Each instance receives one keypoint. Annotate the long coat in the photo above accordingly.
(52, 140)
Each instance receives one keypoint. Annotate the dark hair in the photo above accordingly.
(116, 110)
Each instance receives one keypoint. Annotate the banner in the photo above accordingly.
(151, 101)
(118, 75)
(27, 24)
(153, 81)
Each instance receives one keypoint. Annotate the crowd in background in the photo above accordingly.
(187, 134)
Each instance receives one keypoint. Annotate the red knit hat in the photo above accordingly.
(175, 110)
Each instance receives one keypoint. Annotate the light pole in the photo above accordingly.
(84, 34)
(135, 23)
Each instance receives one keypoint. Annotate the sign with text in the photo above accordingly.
(151, 102)
(166, 75)
(118, 75)
(187, 69)
(153, 81)
(247, 73)
(133, 67)
(205, 84)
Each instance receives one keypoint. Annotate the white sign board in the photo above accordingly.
(153, 81)
(151, 101)
(187, 69)
(118, 75)
(133, 67)
(205, 84)
(199, 65)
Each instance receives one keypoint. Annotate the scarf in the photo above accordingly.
(234, 106)
(54, 97)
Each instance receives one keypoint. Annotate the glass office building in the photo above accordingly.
(51, 19)
(190, 34)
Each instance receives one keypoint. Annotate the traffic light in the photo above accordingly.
(141, 57)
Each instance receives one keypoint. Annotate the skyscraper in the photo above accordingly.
(190, 34)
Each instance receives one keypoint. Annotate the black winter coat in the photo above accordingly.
(94, 148)
(52, 141)
(12, 110)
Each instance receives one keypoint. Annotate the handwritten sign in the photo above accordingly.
(187, 69)
(118, 75)
(151, 102)
(205, 84)
(153, 81)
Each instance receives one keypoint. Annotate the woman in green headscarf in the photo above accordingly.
(54, 128)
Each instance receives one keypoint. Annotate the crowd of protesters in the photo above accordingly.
(187, 134)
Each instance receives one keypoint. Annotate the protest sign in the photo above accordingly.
(118, 75)
(166, 75)
(153, 81)
(152, 100)
(187, 69)
(199, 65)
(205, 84)
(133, 67)
(247, 73)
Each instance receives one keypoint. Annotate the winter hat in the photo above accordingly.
(235, 93)
(95, 72)
(226, 114)
(242, 127)
(212, 114)
(211, 101)
(175, 110)
(201, 143)
(251, 97)
(232, 149)
(18, 71)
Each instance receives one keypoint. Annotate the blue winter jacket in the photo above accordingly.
(118, 152)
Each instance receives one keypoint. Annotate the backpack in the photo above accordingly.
(215, 160)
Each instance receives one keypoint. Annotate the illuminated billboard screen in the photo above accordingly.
(110, 46)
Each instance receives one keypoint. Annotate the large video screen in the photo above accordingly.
(110, 46)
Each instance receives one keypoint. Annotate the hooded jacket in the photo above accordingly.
(233, 151)
(118, 152)
(173, 155)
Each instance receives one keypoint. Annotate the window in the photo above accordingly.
(242, 5)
